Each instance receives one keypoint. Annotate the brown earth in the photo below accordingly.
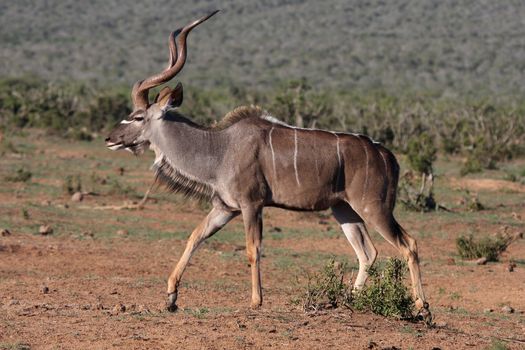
(83, 287)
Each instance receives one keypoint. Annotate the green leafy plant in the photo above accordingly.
(21, 175)
(327, 289)
(72, 184)
(484, 247)
(385, 293)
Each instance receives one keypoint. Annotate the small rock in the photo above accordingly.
(122, 232)
(507, 309)
(273, 330)
(14, 302)
(5, 232)
(487, 311)
(511, 266)
(45, 289)
(119, 308)
(77, 197)
(45, 230)
(481, 261)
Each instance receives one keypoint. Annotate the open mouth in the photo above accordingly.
(114, 146)
(133, 147)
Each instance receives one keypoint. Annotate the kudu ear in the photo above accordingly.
(171, 98)
(162, 94)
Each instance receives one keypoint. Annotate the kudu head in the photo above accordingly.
(133, 133)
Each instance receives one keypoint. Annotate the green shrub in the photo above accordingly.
(484, 247)
(472, 165)
(421, 153)
(413, 198)
(327, 288)
(471, 202)
(72, 184)
(21, 175)
(385, 292)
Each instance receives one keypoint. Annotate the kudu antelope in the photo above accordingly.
(250, 160)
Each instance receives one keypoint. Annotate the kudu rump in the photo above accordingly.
(250, 160)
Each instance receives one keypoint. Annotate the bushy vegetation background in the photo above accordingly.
(473, 46)
(420, 76)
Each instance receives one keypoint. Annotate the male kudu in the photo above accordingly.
(251, 160)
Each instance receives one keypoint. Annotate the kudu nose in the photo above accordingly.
(107, 139)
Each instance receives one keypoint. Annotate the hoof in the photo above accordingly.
(425, 315)
(171, 305)
(256, 306)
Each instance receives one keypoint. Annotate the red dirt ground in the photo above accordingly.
(66, 291)
(88, 279)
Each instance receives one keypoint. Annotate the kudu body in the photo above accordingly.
(251, 160)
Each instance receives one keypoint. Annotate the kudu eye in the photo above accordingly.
(138, 118)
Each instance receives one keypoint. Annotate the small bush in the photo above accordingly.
(414, 199)
(486, 247)
(327, 289)
(72, 184)
(421, 153)
(385, 293)
(472, 165)
(21, 175)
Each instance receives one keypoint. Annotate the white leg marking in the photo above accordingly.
(295, 157)
(366, 253)
(273, 154)
(366, 172)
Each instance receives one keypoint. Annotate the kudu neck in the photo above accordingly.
(189, 148)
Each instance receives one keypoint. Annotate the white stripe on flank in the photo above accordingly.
(384, 161)
(316, 163)
(338, 151)
(338, 160)
(273, 154)
(366, 172)
(295, 157)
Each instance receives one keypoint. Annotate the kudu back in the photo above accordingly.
(250, 160)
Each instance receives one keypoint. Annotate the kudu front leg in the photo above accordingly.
(215, 220)
(253, 228)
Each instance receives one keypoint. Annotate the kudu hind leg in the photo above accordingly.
(213, 222)
(385, 223)
(356, 233)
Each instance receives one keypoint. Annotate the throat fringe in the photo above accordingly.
(177, 182)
